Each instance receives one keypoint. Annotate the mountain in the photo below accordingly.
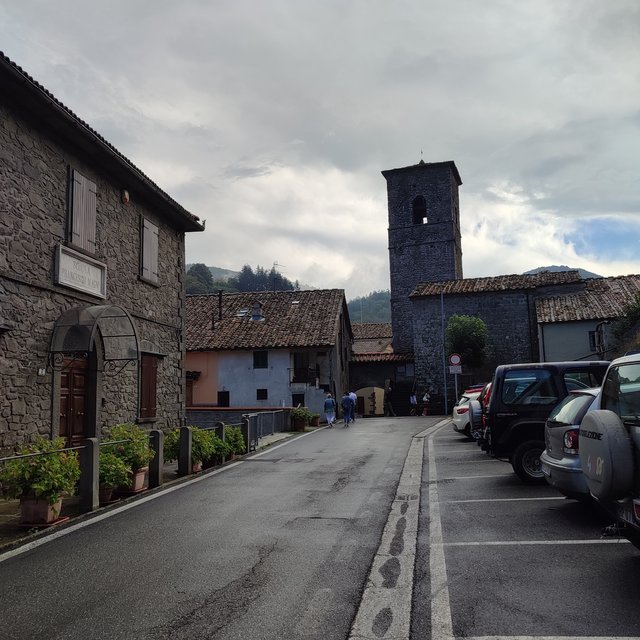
(375, 307)
(218, 273)
(554, 268)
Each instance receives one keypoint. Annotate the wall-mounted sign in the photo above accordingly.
(75, 270)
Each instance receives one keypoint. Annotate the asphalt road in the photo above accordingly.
(278, 546)
(319, 538)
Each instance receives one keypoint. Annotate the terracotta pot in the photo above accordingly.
(299, 425)
(137, 481)
(105, 493)
(38, 511)
(315, 421)
(196, 467)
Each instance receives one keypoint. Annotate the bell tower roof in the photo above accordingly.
(422, 165)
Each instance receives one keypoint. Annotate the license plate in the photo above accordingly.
(546, 469)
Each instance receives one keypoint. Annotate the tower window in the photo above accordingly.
(419, 207)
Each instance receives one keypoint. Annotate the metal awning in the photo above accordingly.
(75, 332)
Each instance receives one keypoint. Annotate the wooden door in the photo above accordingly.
(73, 401)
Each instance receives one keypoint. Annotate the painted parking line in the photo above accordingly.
(548, 638)
(532, 499)
(552, 543)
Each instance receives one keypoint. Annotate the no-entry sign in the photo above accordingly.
(455, 359)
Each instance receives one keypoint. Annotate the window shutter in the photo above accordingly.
(83, 212)
(149, 251)
(148, 386)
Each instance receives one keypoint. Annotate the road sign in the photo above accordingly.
(455, 368)
(455, 359)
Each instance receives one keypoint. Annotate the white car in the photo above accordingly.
(460, 415)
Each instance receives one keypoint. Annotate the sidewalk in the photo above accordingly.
(13, 534)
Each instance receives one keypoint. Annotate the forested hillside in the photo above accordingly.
(199, 280)
(372, 308)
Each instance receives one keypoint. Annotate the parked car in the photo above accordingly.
(560, 461)
(610, 446)
(477, 408)
(522, 396)
(460, 414)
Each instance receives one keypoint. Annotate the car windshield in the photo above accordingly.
(570, 410)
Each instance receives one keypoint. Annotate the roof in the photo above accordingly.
(30, 94)
(602, 299)
(491, 284)
(368, 330)
(382, 357)
(427, 165)
(290, 319)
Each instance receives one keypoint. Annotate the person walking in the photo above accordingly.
(354, 397)
(347, 408)
(330, 409)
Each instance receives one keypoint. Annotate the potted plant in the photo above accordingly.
(41, 481)
(133, 447)
(314, 421)
(235, 441)
(113, 472)
(301, 417)
(202, 446)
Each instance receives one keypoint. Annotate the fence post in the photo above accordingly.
(246, 432)
(184, 456)
(89, 474)
(156, 442)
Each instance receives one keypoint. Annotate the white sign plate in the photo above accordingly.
(455, 368)
(75, 270)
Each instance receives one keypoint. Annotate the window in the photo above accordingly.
(82, 212)
(534, 386)
(260, 359)
(149, 257)
(223, 398)
(297, 399)
(262, 394)
(419, 206)
(148, 386)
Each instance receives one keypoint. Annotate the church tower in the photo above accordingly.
(424, 236)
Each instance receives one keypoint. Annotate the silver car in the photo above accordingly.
(561, 458)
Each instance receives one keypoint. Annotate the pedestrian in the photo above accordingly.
(354, 397)
(330, 409)
(347, 408)
(388, 407)
(425, 401)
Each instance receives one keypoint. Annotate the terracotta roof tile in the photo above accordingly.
(513, 282)
(290, 319)
(602, 299)
(365, 330)
(382, 357)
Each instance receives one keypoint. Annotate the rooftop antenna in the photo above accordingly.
(276, 264)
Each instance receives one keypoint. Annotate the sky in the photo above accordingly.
(273, 119)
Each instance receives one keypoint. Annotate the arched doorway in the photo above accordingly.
(87, 343)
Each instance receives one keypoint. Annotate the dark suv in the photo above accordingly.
(522, 396)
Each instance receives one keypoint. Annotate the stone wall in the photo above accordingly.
(34, 177)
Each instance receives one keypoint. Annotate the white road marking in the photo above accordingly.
(548, 638)
(502, 500)
(495, 475)
(516, 543)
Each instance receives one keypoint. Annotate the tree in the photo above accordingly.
(468, 337)
(199, 279)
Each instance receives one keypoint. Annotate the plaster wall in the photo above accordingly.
(567, 341)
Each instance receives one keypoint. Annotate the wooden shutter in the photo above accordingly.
(83, 212)
(149, 251)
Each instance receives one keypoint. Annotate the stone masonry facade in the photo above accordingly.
(34, 202)
(421, 251)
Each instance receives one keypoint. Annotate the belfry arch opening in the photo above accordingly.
(419, 209)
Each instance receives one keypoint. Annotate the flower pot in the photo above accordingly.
(196, 467)
(315, 421)
(105, 493)
(38, 510)
(136, 483)
(299, 425)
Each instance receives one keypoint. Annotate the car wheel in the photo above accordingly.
(526, 462)
(606, 455)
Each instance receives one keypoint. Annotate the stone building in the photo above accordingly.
(91, 277)
(542, 317)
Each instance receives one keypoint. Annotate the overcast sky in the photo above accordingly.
(273, 119)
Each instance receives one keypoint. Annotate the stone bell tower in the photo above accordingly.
(424, 236)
